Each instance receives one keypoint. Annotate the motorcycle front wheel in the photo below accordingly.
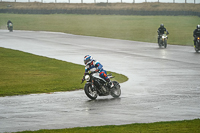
(165, 42)
(91, 93)
(115, 91)
(10, 29)
(160, 43)
(196, 48)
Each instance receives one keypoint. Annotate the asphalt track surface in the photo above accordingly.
(163, 85)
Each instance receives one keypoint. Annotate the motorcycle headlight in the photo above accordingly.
(87, 77)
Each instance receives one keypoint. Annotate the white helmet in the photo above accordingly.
(88, 59)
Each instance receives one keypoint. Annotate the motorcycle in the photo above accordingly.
(101, 87)
(163, 40)
(10, 27)
(197, 47)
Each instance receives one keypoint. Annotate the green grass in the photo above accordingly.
(136, 28)
(186, 126)
(22, 73)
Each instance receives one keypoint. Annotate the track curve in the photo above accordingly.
(163, 84)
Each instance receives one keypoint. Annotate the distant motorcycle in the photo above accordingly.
(101, 87)
(10, 27)
(197, 47)
(163, 40)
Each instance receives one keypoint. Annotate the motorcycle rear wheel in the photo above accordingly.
(92, 94)
(115, 91)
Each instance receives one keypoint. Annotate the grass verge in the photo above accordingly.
(186, 126)
(136, 28)
(22, 73)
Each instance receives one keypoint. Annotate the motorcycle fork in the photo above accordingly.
(92, 83)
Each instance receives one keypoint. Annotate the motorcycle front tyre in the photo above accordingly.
(165, 42)
(160, 43)
(10, 29)
(92, 94)
(196, 48)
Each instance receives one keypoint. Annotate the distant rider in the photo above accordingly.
(196, 33)
(161, 30)
(93, 65)
(8, 23)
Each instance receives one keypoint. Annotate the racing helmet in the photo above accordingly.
(88, 59)
(161, 25)
(198, 26)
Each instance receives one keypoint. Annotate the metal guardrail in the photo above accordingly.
(105, 1)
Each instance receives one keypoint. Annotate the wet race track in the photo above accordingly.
(163, 85)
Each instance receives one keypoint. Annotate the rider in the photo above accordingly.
(93, 65)
(196, 33)
(8, 23)
(161, 30)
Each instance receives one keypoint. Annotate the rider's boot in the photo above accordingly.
(110, 84)
(158, 38)
(194, 44)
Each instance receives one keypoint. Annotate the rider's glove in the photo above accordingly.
(83, 79)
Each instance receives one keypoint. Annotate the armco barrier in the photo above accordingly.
(99, 11)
